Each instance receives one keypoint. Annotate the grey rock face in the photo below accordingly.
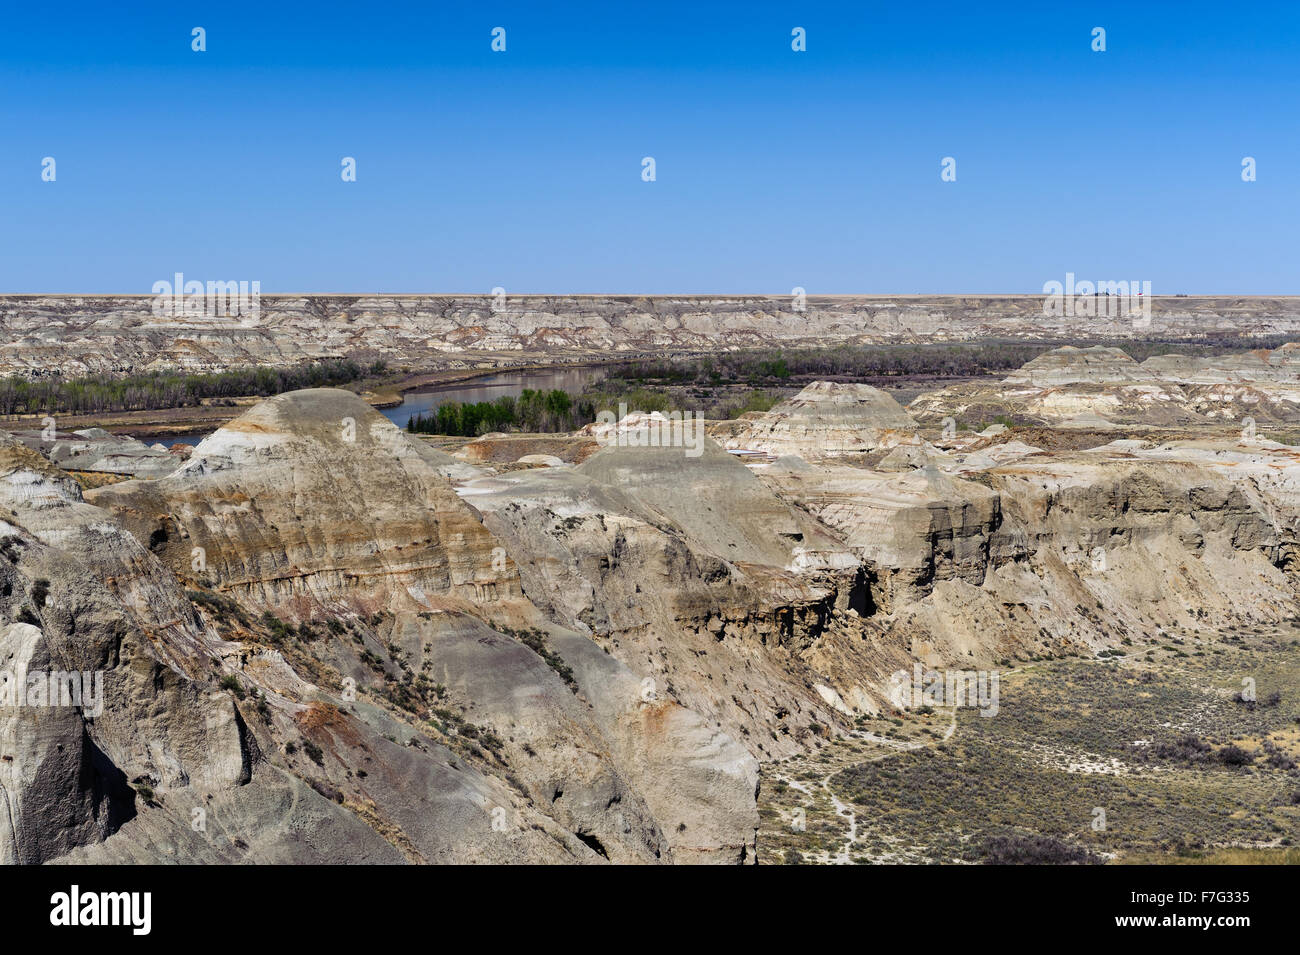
(104, 614)
(58, 790)
(1069, 364)
(686, 569)
(96, 450)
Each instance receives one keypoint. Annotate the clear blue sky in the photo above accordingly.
(775, 169)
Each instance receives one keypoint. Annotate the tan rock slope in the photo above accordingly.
(828, 419)
(315, 509)
(271, 508)
(687, 569)
(1095, 365)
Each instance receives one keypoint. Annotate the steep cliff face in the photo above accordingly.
(819, 579)
(59, 792)
(687, 569)
(910, 529)
(515, 738)
(634, 775)
(75, 335)
(124, 660)
(1177, 542)
(1065, 553)
(311, 503)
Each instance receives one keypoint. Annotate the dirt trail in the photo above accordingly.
(844, 855)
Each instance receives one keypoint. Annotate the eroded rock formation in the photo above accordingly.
(1104, 387)
(324, 640)
(73, 335)
(827, 420)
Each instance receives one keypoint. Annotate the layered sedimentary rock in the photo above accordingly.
(1059, 552)
(687, 568)
(1068, 364)
(1093, 547)
(90, 606)
(432, 699)
(75, 335)
(312, 498)
(497, 449)
(911, 529)
(1099, 365)
(1103, 386)
(332, 642)
(828, 419)
(96, 450)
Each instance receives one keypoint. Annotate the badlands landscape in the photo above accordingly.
(659, 639)
(74, 335)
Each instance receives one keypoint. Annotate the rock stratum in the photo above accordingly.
(1104, 387)
(826, 420)
(72, 335)
(322, 640)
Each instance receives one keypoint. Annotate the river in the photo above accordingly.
(424, 400)
(489, 388)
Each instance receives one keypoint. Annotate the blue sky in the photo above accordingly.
(774, 169)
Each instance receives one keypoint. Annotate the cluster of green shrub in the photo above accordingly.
(535, 640)
(534, 411)
(449, 721)
(220, 606)
(170, 389)
(1191, 750)
(1016, 848)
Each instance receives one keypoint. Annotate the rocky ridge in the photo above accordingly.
(1103, 387)
(829, 419)
(72, 335)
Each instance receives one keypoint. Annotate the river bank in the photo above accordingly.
(168, 425)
